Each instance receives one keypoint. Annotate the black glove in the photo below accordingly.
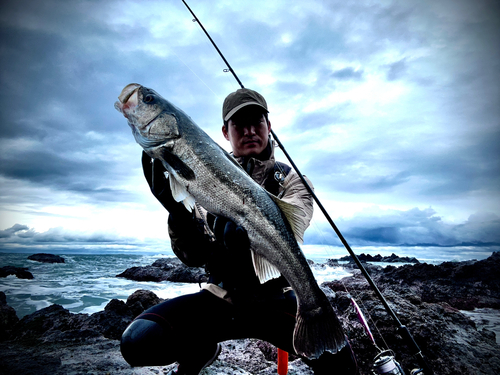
(232, 236)
(160, 187)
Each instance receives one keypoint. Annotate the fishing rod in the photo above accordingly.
(402, 329)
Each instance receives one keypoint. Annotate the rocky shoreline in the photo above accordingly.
(426, 298)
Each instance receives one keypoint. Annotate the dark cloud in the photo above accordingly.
(12, 230)
(22, 234)
(471, 166)
(21, 238)
(414, 227)
(60, 78)
(63, 64)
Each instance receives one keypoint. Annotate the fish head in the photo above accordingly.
(148, 115)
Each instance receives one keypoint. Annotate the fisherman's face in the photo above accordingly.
(247, 131)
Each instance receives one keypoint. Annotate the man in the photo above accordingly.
(188, 329)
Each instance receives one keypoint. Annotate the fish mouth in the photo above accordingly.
(128, 91)
(128, 99)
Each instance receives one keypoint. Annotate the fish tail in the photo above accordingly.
(318, 331)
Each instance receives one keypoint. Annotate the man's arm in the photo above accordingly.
(294, 192)
(188, 239)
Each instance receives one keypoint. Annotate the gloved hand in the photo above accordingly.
(154, 171)
(232, 236)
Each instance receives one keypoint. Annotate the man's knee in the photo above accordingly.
(147, 343)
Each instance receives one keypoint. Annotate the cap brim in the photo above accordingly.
(237, 108)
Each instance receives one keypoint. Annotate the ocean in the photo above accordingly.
(85, 283)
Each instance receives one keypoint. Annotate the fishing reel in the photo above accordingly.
(385, 363)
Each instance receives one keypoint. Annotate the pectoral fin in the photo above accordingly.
(179, 191)
(177, 164)
(177, 171)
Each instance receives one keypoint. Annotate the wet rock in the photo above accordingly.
(145, 273)
(111, 322)
(53, 340)
(46, 258)
(56, 324)
(142, 300)
(393, 258)
(328, 263)
(369, 267)
(8, 317)
(33, 327)
(332, 262)
(426, 299)
(19, 272)
(166, 269)
(463, 285)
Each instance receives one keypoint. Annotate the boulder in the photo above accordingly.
(393, 258)
(20, 272)
(8, 317)
(166, 269)
(142, 300)
(46, 258)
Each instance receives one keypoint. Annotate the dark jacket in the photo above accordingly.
(195, 245)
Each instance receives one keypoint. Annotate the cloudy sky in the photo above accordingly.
(391, 108)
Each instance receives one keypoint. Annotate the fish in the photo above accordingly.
(199, 170)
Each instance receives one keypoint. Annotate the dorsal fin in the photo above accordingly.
(294, 215)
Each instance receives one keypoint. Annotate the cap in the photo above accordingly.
(239, 99)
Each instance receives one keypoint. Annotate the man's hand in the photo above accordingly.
(232, 236)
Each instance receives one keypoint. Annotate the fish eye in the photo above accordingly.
(148, 98)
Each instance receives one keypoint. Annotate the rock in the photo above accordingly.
(112, 321)
(369, 267)
(20, 272)
(8, 317)
(426, 299)
(328, 263)
(463, 285)
(53, 340)
(332, 262)
(142, 300)
(56, 324)
(166, 269)
(96, 355)
(393, 258)
(146, 273)
(46, 258)
(33, 327)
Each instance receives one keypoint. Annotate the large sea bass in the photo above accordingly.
(200, 170)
